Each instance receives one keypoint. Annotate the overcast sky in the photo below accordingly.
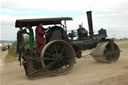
(111, 15)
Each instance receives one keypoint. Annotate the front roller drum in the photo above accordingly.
(58, 57)
(106, 52)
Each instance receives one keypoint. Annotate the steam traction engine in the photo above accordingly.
(58, 55)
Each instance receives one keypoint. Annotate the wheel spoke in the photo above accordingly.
(49, 59)
(55, 49)
(65, 57)
(64, 64)
(49, 54)
(62, 50)
(50, 65)
(61, 65)
(57, 67)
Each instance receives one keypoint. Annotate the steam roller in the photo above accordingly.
(58, 57)
(106, 52)
(62, 46)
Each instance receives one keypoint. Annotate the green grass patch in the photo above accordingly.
(12, 55)
(121, 41)
(123, 45)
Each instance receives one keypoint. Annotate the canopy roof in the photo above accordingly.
(35, 22)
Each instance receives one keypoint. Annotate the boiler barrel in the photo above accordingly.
(84, 44)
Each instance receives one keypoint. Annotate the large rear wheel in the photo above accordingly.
(58, 57)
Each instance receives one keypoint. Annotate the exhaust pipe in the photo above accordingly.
(89, 17)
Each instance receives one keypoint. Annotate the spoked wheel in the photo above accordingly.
(106, 52)
(58, 57)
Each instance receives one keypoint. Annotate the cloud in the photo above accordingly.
(109, 14)
(63, 5)
(113, 7)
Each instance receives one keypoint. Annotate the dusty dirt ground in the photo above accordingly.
(85, 72)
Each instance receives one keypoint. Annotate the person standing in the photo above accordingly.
(40, 40)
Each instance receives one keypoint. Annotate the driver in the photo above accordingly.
(40, 40)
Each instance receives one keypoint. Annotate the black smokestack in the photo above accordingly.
(90, 24)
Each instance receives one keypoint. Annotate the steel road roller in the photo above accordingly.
(62, 47)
